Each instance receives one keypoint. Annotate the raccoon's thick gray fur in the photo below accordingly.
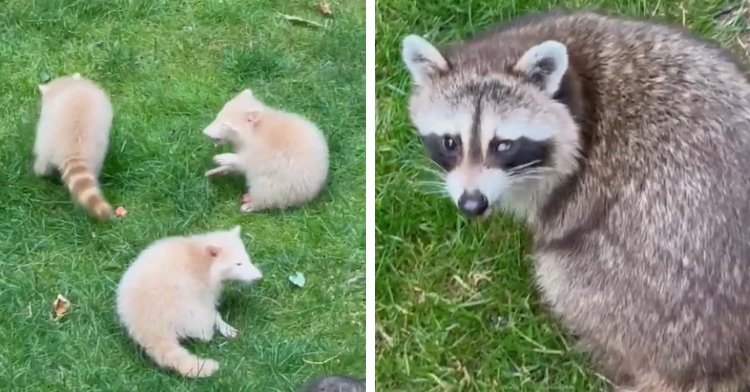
(625, 147)
(334, 383)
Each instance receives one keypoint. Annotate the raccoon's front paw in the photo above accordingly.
(216, 171)
(227, 159)
(227, 330)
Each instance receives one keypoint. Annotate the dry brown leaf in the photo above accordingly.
(61, 306)
(324, 8)
(120, 211)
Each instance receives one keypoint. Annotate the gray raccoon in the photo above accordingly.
(335, 383)
(624, 146)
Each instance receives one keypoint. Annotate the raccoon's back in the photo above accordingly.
(78, 117)
(291, 148)
(666, 133)
(654, 227)
(155, 284)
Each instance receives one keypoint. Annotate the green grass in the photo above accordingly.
(169, 66)
(456, 308)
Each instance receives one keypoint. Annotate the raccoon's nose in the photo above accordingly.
(473, 203)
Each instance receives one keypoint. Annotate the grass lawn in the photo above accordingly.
(169, 66)
(456, 308)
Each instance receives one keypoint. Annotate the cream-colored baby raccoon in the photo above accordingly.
(283, 156)
(170, 292)
(72, 136)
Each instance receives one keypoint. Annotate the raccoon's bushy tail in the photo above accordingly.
(168, 353)
(83, 185)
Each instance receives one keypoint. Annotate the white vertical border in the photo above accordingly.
(370, 197)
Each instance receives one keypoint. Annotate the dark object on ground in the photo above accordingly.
(334, 383)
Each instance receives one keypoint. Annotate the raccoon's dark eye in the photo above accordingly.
(239, 264)
(449, 143)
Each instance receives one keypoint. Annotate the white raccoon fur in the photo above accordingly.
(624, 146)
(283, 156)
(171, 290)
(72, 136)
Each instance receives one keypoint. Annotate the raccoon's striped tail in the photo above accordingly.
(84, 187)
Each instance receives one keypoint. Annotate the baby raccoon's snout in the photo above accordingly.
(251, 273)
(473, 203)
(215, 133)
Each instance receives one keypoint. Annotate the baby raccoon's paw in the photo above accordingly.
(227, 159)
(200, 369)
(42, 168)
(246, 205)
(216, 171)
(227, 330)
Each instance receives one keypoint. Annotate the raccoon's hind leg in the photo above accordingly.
(42, 166)
(262, 194)
(200, 324)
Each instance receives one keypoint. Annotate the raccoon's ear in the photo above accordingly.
(213, 250)
(252, 116)
(43, 88)
(236, 230)
(248, 92)
(422, 59)
(545, 64)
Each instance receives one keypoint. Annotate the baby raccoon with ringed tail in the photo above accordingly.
(623, 145)
(72, 137)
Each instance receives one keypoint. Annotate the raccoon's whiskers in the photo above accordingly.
(433, 169)
(522, 167)
(535, 174)
(432, 187)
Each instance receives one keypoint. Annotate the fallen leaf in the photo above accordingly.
(324, 8)
(297, 279)
(120, 211)
(44, 76)
(61, 306)
(246, 198)
(297, 19)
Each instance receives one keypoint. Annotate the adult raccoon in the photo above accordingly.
(624, 146)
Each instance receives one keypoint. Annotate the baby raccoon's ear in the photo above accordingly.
(43, 88)
(236, 230)
(422, 59)
(545, 65)
(252, 116)
(213, 250)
